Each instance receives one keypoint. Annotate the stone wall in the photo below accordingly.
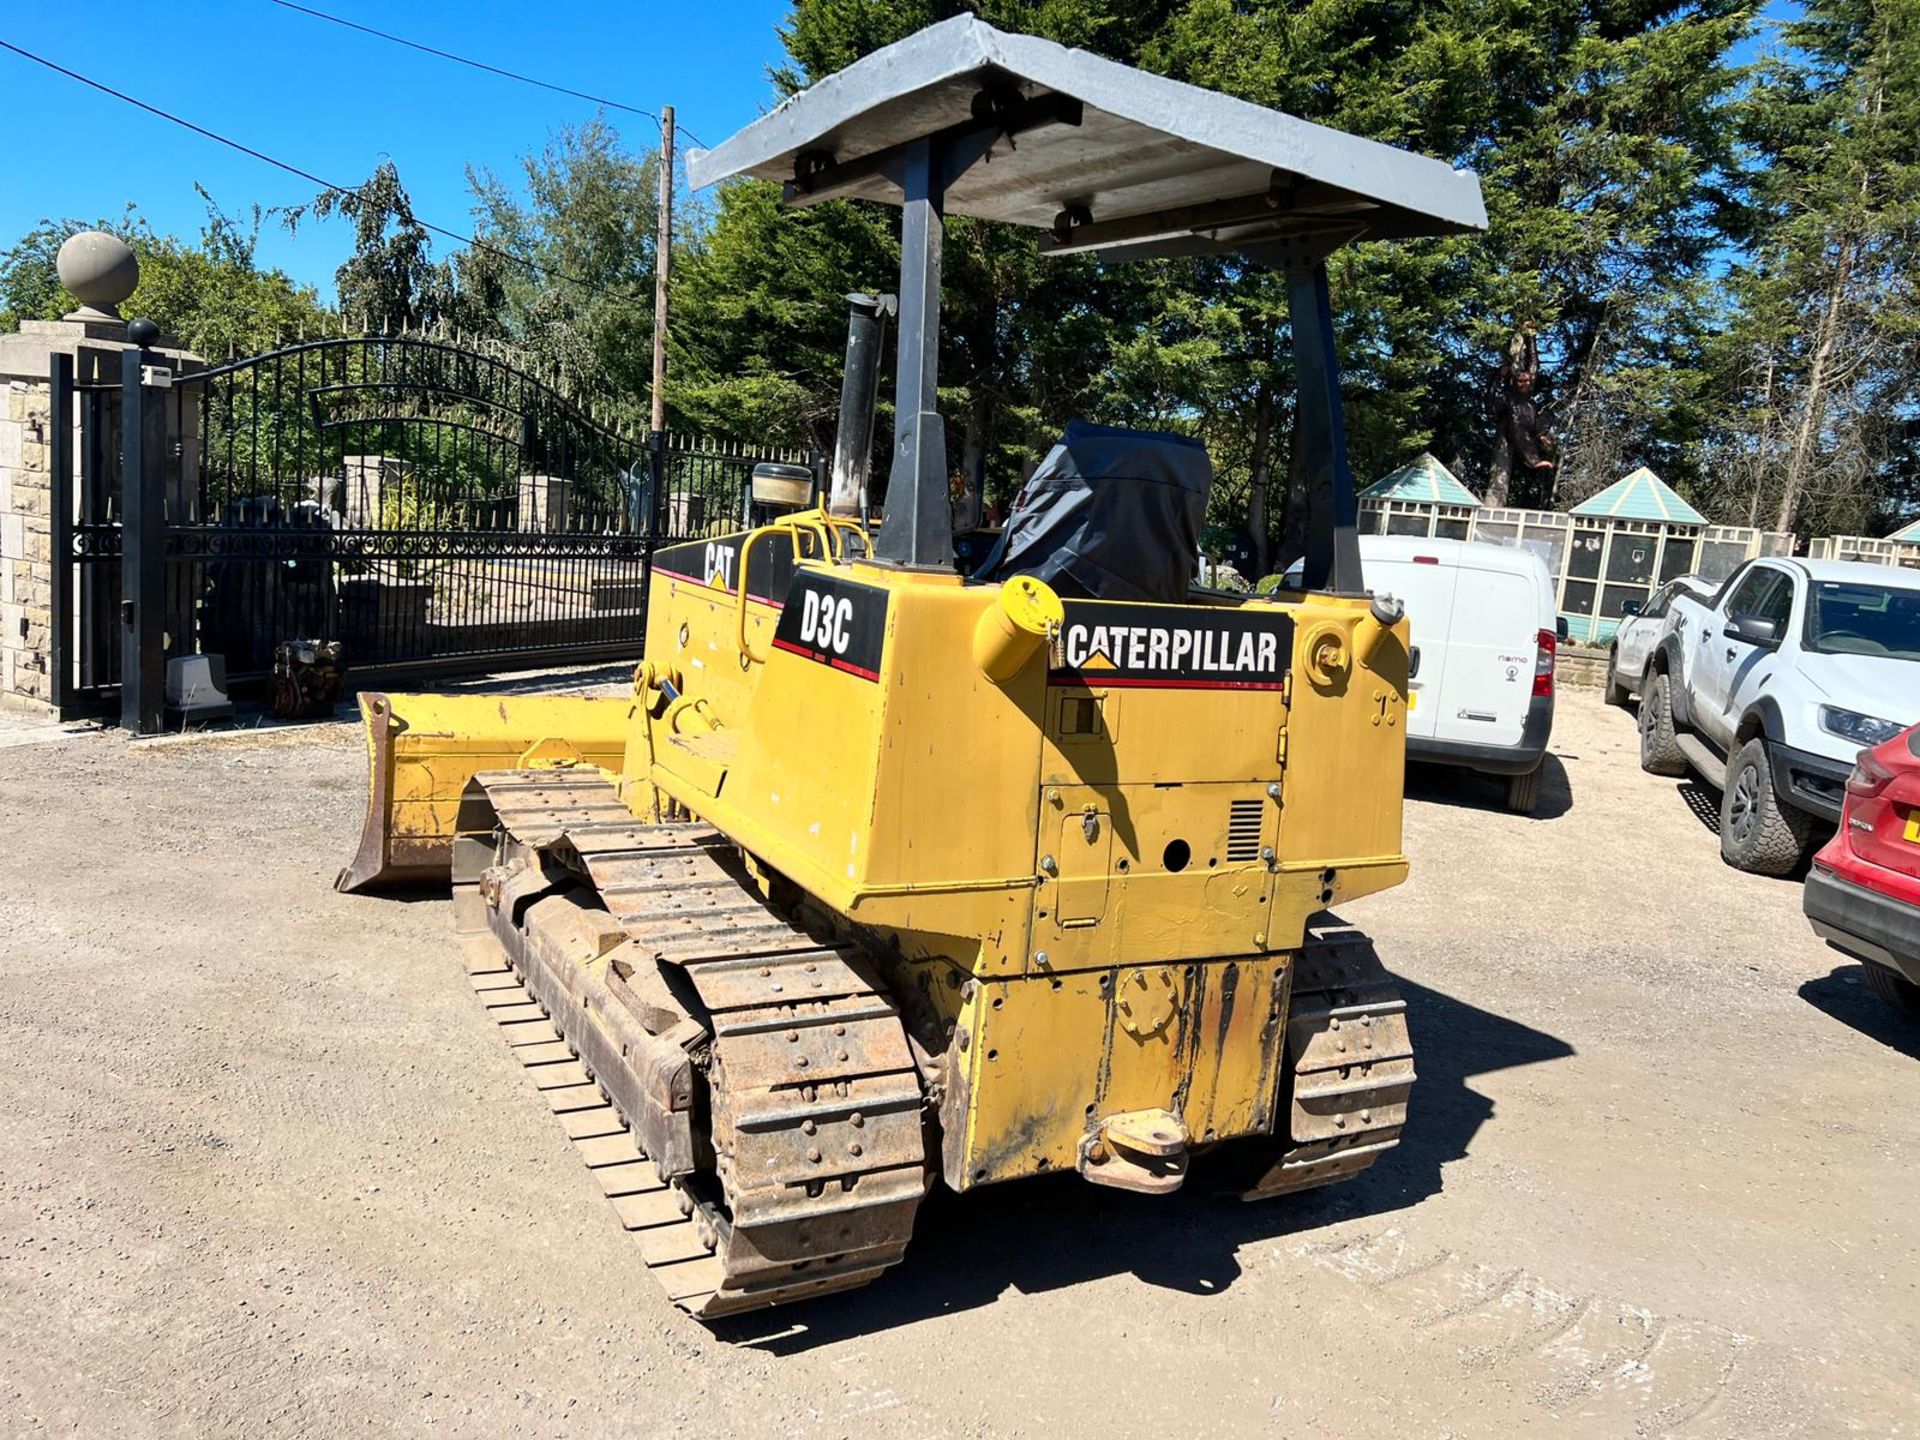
(26, 570)
(1580, 668)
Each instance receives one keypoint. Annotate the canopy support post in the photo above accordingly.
(1332, 561)
(919, 523)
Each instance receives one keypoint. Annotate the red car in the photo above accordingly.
(1863, 894)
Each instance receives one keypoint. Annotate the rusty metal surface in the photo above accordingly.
(1349, 1064)
(755, 1169)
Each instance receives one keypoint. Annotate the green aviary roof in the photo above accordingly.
(1909, 534)
(1424, 481)
(1642, 495)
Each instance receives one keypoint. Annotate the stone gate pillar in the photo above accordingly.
(101, 271)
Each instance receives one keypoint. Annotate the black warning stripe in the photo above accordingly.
(1109, 678)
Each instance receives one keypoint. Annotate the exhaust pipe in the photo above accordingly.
(859, 388)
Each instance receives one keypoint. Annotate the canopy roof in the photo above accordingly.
(1425, 481)
(1103, 155)
(1909, 534)
(1641, 495)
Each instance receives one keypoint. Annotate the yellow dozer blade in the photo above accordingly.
(423, 749)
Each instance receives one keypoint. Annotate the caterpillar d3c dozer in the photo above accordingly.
(886, 874)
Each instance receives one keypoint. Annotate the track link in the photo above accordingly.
(811, 1154)
(1349, 1064)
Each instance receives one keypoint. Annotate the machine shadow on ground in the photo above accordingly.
(1844, 996)
(1448, 785)
(1050, 1233)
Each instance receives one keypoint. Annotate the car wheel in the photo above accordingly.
(1660, 752)
(1757, 832)
(1616, 693)
(1893, 987)
(1523, 791)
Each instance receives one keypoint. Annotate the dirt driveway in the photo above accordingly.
(265, 1169)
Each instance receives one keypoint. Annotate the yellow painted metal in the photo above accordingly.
(1009, 632)
(423, 749)
(1048, 1057)
(1099, 888)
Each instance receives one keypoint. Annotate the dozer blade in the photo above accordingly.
(423, 749)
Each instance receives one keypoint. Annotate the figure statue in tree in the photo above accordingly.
(1523, 434)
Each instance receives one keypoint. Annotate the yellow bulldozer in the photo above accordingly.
(890, 870)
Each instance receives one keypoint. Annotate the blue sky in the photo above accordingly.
(335, 102)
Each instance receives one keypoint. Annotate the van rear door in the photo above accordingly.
(1424, 582)
(1491, 653)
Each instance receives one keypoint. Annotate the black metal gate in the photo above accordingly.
(430, 506)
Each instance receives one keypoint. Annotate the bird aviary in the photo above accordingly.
(1420, 498)
(1633, 537)
(1606, 553)
(1902, 547)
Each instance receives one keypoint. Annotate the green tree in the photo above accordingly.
(211, 296)
(759, 322)
(588, 221)
(391, 281)
(1819, 362)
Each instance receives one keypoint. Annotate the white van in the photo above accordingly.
(1484, 633)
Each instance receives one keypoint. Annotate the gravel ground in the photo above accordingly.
(266, 1169)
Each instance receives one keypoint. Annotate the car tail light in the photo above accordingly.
(1543, 667)
(1869, 776)
(1426, 559)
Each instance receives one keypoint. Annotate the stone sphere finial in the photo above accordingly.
(100, 270)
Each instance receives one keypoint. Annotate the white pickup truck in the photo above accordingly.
(1770, 687)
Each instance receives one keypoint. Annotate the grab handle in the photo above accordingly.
(779, 527)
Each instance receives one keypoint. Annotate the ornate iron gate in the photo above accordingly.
(430, 506)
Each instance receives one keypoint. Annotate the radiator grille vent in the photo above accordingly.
(1243, 831)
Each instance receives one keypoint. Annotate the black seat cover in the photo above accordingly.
(1110, 514)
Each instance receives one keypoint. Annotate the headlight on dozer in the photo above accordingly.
(1860, 729)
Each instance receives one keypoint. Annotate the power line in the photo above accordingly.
(348, 190)
(476, 64)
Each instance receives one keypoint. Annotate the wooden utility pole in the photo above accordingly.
(662, 269)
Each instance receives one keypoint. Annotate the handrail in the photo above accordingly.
(837, 523)
(781, 527)
(829, 528)
(816, 522)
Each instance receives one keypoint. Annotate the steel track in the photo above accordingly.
(811, 1133)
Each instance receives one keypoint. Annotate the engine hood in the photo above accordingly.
(1871, 684)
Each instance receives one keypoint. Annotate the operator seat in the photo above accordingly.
(1110, 514)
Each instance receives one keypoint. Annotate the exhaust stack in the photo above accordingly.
(859, 388)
